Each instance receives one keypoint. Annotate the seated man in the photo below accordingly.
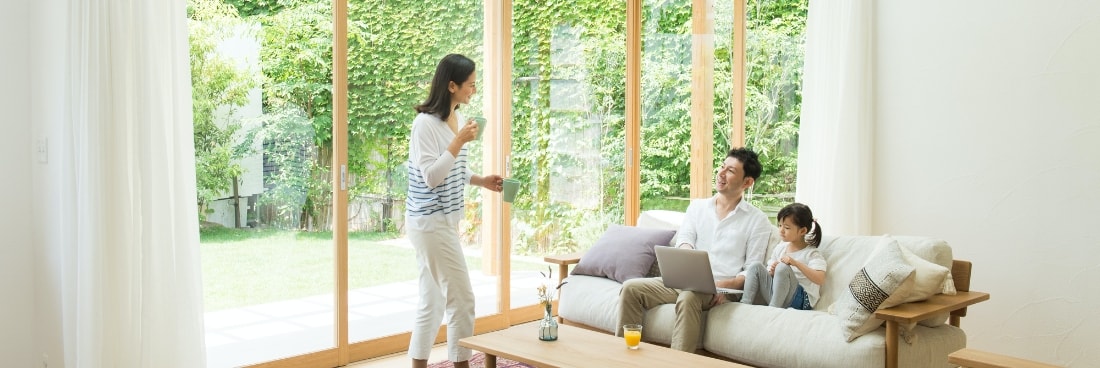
(730, 229)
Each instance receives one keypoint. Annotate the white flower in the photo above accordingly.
(546, 296)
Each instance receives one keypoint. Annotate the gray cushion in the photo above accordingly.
(623, 253)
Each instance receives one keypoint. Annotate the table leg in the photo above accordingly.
(490, 360)
(891, 344)
(563, 271)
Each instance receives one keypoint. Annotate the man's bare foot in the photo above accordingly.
(462, 364)
(420, 363)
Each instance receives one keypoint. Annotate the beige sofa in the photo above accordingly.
(773, 337)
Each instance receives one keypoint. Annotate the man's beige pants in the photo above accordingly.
(639, 295)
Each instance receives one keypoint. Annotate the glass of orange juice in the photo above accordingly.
(633, 335)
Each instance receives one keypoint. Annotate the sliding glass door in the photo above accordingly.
(392, 53)
(567, 132)
(263, 147)
(302, 132)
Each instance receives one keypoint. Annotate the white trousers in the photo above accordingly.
(445, 291)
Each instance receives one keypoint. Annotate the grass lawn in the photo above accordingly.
(666, 203)
(242, 267)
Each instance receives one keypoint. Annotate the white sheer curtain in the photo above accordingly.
(131, 285)
(835, 141)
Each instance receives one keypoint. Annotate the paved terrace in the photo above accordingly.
(258, 333)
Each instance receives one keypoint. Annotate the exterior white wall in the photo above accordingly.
(243, 47)
(17, 281)
(988, 136)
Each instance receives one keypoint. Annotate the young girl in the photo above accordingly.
(796, 269)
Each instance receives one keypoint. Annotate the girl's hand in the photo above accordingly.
(771, 268)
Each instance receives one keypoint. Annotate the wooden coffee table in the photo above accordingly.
(578, 347)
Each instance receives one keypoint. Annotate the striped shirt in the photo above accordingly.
(437, 179)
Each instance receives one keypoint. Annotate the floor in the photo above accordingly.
(400, 360)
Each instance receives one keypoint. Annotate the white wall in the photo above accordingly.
(16, 249)
(48, 92)
(988, 136)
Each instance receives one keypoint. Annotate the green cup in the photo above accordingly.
(480, 126)
(510, 187)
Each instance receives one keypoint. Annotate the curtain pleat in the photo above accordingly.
(133, 297)
(835, 151)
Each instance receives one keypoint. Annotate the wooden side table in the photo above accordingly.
(970, 358)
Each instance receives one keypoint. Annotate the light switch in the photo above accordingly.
(43, 149)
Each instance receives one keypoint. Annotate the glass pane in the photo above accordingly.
(774, 52)
(393, 52)
(568, 96)
(666, 105)
(264, 179)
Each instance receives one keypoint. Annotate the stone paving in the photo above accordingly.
(270, 331)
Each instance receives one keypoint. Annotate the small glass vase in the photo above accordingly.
(548, 327)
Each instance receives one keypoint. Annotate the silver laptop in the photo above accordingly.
(688, 269)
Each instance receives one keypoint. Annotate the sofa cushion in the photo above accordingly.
(763, 336)
(871, 288)
(660, 219)
(928, 279)
(623, 252)
(592, 301)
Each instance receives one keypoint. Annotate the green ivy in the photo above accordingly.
(393, 47)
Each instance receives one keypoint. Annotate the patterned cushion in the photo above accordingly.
(871, 288)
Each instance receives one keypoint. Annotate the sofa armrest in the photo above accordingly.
(937, 304)
(563, 261)
(914, 312)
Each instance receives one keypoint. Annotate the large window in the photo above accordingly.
(266, 244)
(774, 51)
(392, 54)
(567, 130)
(302, 116)
(696, 79)
(666, 95)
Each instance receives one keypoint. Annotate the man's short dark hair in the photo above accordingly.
(749, 161)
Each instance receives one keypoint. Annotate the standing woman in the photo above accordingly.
(438, 175)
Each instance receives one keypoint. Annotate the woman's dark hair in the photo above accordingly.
(802, 217)
(453, 68)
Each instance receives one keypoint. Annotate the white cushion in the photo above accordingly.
(660, 219)
(591, 300)
(873, 287)
(763, 336)
(928, 279)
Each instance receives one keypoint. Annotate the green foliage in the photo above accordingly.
(297, 66)
(666, 101)
(216, 83)
(392, 53)
(393, 48)
(248, 8)
(287, 136)
(774, 59)
(560, 45)
(774, 39)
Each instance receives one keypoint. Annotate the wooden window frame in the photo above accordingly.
(497, 86)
